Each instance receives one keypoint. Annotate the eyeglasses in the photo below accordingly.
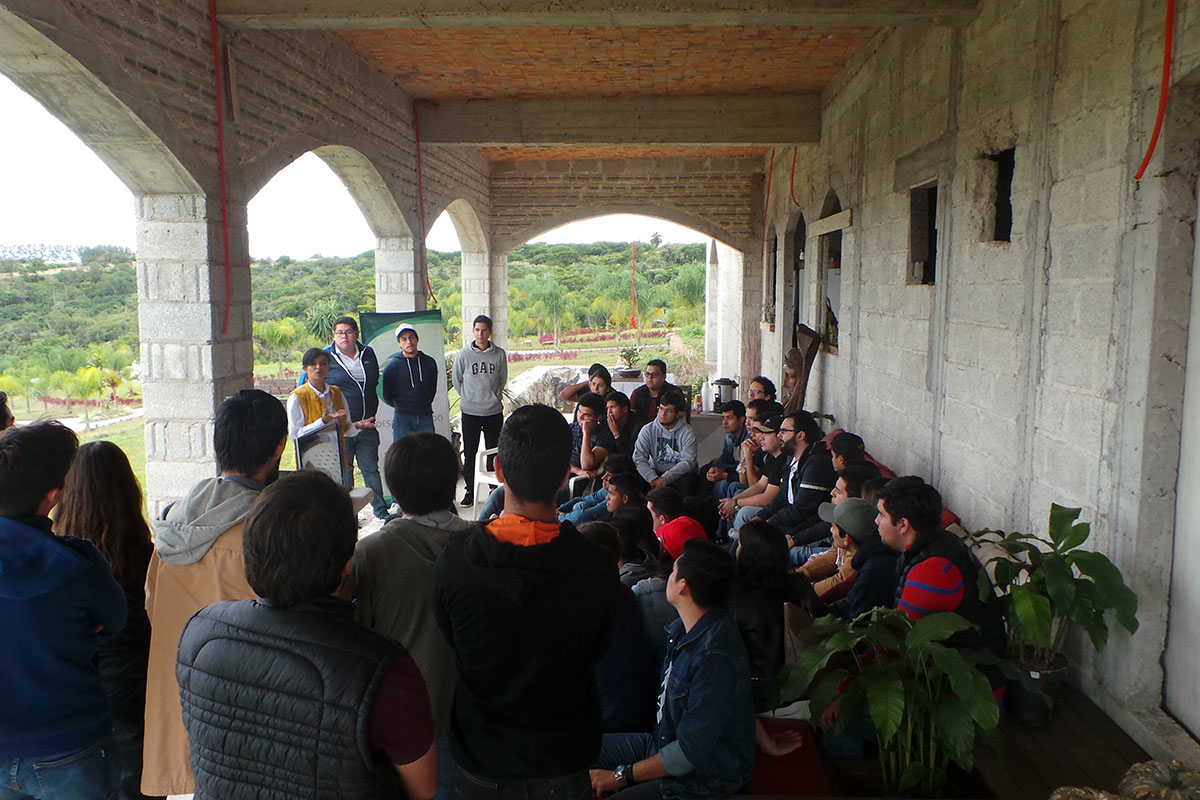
(650, 374)
(350, 332)
(782, 431)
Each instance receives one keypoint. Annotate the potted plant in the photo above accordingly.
(928, 701)
(1047, 585)
(630, 356)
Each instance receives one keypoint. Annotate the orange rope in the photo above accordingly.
(1168, 46)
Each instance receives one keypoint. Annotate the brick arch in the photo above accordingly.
(667, 213)
(90, 108)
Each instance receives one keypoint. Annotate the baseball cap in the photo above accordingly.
(854, 516)
(404, 326)
(768, 425)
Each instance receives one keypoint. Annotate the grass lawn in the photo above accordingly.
(130, 436)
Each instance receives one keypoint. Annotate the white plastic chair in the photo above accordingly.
(483, 477)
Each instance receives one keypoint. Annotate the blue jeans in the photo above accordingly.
(629, 748)
(445, 773)
(365, 447)
(577, 786)
(410, 423)
(494, 505)
(93, 773)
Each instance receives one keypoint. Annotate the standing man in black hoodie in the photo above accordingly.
(354, 368)
(525, 602)
(409, 385)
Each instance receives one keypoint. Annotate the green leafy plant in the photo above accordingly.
(629, 356)
(1047, 583)
(929, 702)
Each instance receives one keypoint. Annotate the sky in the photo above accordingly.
(54, 190)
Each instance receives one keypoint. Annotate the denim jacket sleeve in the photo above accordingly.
(705, 694)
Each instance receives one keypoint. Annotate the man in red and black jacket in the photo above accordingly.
(937, 572)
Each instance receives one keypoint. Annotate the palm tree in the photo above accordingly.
(63, 381)
(87, 381)
(278, 339)
(14, 387)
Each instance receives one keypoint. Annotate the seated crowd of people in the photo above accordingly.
(613, 623)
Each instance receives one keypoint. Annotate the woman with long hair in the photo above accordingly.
(102, 502)
(763, 584)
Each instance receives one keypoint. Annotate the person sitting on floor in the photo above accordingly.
(623, 426)
(873, 564)
(703, 745)
(736, 511)
(810, 476)
(665, 453)
(592, 506)
(733, 423)
(639, 548)
(761, 388)
(831, 566)
(288, 696)
(599, 381)
(590, 441)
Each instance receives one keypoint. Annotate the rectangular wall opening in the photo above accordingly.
(1002, 221)
(922, 235)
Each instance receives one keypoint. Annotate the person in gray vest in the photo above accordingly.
(286, 695)
(354, 368)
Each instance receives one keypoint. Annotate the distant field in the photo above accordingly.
(129, 436)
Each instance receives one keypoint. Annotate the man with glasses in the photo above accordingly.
(809, 478)
(354, 368)
(644, 400)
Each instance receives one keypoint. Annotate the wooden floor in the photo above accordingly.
(1079, 747)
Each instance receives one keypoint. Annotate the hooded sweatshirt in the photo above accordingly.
(392, 573)
(527, 623)
(191, 525)
(665, 453)
(480, 377)
(54, 592)
(409, 384)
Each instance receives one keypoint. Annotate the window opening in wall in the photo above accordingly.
(799, 239)
(922, 235)
(770, 275)
(1006, 164)
(831, 245)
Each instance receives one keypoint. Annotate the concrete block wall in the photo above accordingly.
(1041, 369)
(709, 195)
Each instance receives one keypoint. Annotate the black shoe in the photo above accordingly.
(468, 500)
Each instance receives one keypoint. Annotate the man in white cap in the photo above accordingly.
(409, 385)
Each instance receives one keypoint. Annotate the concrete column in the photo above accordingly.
(498, 297)
(399, 275)
(711, 310)
(729, 311)
(188, 365)
(476, 289)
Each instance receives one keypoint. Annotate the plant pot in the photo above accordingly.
(629, 374)
(1031, 700)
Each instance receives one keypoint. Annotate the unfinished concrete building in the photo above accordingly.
(953, 180)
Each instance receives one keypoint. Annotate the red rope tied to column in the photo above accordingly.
(1168, 46)
(421, 199)
(762, 248)
(216, 52)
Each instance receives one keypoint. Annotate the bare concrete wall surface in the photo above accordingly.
(1045, 368)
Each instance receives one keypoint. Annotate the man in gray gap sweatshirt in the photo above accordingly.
(480, 374)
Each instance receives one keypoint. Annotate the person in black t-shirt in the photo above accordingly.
(744, 505)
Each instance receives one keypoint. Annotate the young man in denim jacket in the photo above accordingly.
(703, 744)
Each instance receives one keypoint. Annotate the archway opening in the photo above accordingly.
(831, 273)
(618, 290)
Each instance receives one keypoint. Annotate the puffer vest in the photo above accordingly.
(275, 701)
(986, 615)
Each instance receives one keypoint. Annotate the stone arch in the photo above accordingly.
(87, 106)
(188, 362)
(484, 278)
(668, 213)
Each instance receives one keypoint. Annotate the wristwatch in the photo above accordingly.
(624, 775)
